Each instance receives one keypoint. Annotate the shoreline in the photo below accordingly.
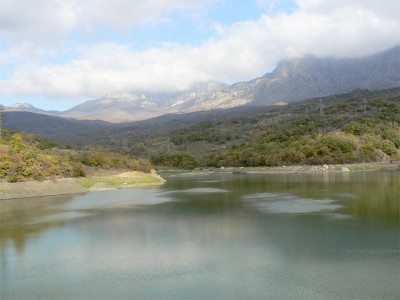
(113, 180)
(294, 169)
(71, 186)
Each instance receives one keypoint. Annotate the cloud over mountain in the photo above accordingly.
(78, 50)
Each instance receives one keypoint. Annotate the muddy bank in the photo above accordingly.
(39, 188)
(67, 186)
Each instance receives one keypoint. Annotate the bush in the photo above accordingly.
(182, 160)
(337, 142)
(78, 170)
(26, 159)
(144, 165)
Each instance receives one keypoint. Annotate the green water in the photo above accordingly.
(288, 236)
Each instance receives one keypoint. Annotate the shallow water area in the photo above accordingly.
(279, 236)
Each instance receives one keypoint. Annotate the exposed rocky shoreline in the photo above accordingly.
(302, 169)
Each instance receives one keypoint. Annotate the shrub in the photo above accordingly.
(182, 160)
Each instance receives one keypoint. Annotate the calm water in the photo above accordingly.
(231, 236)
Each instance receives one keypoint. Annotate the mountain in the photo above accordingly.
(316, 77)
(26, 107)
(292, 80)
(131, 106)
(115, 108)
(309, 77)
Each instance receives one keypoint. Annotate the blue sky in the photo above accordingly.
(56, 54)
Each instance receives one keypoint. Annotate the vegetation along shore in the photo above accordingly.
(31, 167)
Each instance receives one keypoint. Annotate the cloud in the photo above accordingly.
(239, 51)
(38, 21)
(122, 14)
(51, 21)
(346, 31)
(387, 8)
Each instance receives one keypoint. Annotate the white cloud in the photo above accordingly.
(105, 68)
(50, 21)
(389, 8)
(38, 21)
(243, 50)
(122, 14)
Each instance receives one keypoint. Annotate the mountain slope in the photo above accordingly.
(28, 108)
(292, 80)
(310, 77)
(115, 108)
(314, 77)
(131, 106)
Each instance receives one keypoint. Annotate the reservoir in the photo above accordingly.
(269, 236)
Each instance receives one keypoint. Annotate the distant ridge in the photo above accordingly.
(27, 107)
(292, 80)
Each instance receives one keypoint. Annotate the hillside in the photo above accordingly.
(24, 157)
(358, 126)
(361, 126)
(63, 130)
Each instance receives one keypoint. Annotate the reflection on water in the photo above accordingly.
(380, 198)
(289, 204)
(203, 191)
(19, 220)
(268, 236)
(24, 218)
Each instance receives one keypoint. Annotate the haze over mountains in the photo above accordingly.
(290, 81)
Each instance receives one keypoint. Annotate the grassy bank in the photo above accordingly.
(93, 183)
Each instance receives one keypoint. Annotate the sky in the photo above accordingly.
(55, 54)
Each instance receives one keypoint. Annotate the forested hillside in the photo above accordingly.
(24, 156)
(361, 126)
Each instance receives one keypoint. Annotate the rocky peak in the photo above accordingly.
(23, 106)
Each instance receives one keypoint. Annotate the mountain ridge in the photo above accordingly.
(292, 80)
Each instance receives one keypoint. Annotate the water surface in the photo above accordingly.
(281, 236)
